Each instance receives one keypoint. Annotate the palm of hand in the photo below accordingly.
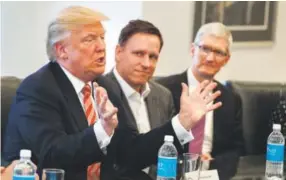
(106, 109)
(195, 106)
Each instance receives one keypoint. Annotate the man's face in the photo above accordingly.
(84, 52)
(209, 55)
(136, 60)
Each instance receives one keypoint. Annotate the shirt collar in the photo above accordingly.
(76, 82)
(192, 81)
(127, 89)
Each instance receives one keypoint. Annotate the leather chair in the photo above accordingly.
(9, 85)
(259, 101)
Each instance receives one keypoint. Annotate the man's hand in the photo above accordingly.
(106, 111)
(195, 105)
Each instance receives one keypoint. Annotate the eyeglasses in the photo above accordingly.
(217, 52)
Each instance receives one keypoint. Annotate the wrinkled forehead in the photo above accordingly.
(214, 42)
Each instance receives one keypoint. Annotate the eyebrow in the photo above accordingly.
(145, 52)
(214, 48)
(95, 33)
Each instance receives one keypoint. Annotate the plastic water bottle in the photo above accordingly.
(24, 169)
(167, 160)
(275, 154)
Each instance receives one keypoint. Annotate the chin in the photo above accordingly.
(99, 70)
(207, 75)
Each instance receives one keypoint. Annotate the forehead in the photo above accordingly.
(143, 41)
(95, 28)
(214, 42)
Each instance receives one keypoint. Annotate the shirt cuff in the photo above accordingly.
(182, 134)
(102, 137)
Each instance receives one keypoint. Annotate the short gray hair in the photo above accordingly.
(67, 20)
(216, 29)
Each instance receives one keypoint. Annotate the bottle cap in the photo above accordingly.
(169, 138)
(277, 127)
(25, 153)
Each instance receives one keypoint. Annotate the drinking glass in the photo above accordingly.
(53, 174)
(191, 166)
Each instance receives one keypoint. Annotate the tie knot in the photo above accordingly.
(86, 90)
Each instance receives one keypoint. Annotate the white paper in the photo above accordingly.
(204, 175)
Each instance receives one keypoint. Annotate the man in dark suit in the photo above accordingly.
(68, 122)
(53, 113)
(152, 105)
(149, 104)
(221, 135)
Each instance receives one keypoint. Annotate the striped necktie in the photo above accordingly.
(93, 171)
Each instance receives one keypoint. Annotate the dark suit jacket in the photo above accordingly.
(47, 118)
(160, 107)
(227, 132)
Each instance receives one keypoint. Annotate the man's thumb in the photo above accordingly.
(185, 90)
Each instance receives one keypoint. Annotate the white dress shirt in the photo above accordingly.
(102, 137)
(136, 103)
(139, 110)
(208, 134)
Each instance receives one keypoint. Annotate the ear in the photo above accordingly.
(192, 49)
(118, 51)
(60, 50)
(226, 60)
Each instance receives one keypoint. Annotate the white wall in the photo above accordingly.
(24, 26)
(175, 20)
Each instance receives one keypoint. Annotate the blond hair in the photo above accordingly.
(67, 20)
(216, 29)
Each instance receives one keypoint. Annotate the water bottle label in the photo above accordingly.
(167, 167)
(275, 152)
(23, 177)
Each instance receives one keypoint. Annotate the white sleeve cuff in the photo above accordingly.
(182, 134)
(102, 137)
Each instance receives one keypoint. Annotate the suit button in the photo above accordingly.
(115, 166)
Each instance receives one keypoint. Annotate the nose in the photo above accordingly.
(100, 45)
(146, 62)
(210, 57)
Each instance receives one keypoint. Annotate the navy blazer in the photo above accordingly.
(47, 118)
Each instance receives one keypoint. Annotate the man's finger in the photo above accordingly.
(208, 89)
(102, 105)
(99, 92)
(201, 86)
(185, 90)
(214, 106)
(95, 85)
(212, 97)
(110, 113)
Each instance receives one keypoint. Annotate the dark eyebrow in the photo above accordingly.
(138, 50)
(154, 54)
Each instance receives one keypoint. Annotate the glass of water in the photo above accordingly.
(53, 174)
(191, 166)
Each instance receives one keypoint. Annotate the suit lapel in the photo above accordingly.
(131, 120)
(70, 95)
(152, 105)
(182, 78)
(218, 116)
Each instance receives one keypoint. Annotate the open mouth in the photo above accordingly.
(100, 60)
